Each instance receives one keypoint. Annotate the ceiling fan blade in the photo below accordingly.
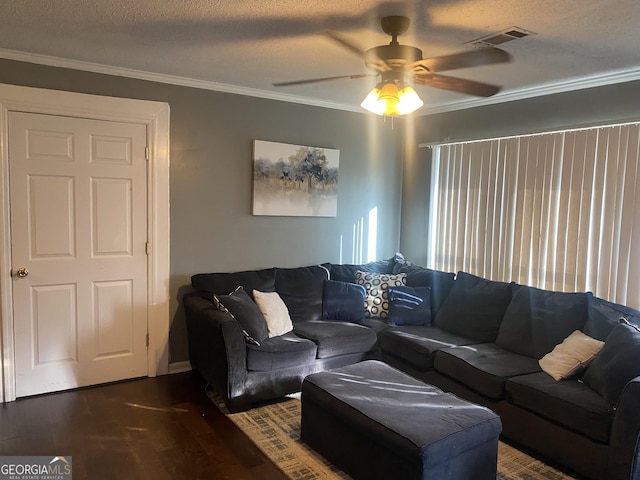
(323, 79)
(473, 58)
(369, 55)
(345, 43)
(459, 85)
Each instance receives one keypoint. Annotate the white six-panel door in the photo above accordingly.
(78, 222)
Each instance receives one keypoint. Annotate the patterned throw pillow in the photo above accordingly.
(239, 305)
(376, 302)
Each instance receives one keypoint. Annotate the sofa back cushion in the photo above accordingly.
(474, 308)
(537, 320)
(301, 290)
(225, 283)
(344, 272)
(604, 316)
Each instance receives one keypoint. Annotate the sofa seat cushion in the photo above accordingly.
(569, 403)
(416, 345)
(337, 338)
(376, 324)
(484, 367)
(285, 351)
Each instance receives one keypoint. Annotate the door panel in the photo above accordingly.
(54, 324)
(51, 216)
(113, 302)
(112, 222)
(79, 225)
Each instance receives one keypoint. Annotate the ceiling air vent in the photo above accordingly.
(494, 39)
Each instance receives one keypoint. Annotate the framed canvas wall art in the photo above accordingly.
(294, 180)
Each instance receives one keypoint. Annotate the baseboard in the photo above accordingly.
(179, 367)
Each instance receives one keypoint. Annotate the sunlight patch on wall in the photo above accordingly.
(364, 230)
(372, 235)
(358, 240)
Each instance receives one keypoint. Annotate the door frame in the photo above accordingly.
(155, 115)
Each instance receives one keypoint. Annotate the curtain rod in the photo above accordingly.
(447, 142)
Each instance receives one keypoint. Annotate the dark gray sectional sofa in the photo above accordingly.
(244, 373)
(482, 341)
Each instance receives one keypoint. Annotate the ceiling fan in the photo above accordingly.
(399, 65)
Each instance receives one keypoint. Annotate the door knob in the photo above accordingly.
(22, 272)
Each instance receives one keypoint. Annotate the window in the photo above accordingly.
(559, 211)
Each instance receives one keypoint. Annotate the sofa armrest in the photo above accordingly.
(217, 348)
(624, 445)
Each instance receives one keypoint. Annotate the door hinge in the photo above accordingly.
(146, 153)
(147, 248)
(147, 340)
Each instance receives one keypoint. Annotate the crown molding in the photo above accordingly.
(572, 84)
(578, 83)
(168, 79)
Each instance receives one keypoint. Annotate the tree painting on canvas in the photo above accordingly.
(294, 180)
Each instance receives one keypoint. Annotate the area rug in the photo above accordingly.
(275, 429)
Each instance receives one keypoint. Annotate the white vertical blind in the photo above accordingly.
(559, 211)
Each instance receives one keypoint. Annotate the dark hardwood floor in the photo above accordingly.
(150, 428)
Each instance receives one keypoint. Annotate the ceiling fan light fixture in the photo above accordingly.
(395, 63)
(409, 100)
(371, 102)
(389, 100)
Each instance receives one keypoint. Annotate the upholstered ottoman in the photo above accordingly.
(375, 422)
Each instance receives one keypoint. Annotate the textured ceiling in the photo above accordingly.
(245, 46)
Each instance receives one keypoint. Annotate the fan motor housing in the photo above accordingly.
(395, 56)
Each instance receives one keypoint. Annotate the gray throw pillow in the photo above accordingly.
(241, 307)
(616, 364)
(343, 301)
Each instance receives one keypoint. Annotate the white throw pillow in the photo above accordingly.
(571, 357)
(275, 312)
